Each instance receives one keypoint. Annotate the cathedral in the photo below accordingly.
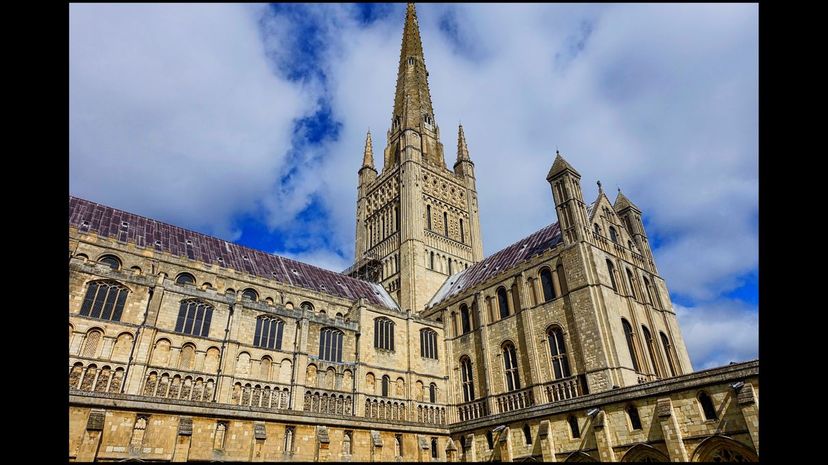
(563, 346)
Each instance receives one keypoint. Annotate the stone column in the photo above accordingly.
(88, 449)
(556, 282)
(181, 452)
(530, 349)
(749, 404)
(670, 430)
(297, 391)
(603, 440)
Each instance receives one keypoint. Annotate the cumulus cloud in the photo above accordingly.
(719, 333)
(193, 114)
(176, 112)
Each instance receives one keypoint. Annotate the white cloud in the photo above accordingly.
(175, 112)
(719, 333)
(660, 99)
(321, 258)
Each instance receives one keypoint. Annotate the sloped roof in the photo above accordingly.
(522, 250)
(622, 202)
(91, 217)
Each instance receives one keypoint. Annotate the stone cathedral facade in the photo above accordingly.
(563, 346)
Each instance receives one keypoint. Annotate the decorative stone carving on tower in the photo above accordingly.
(569, 201)
(630, 214)
(417, 221)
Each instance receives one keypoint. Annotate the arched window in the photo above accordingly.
(631, 280)
(386, 382)
(527, 434)
(268, 332)
(449, 267)
(194, 318)
(574, 430)
(104, 300)
(221, 430)
(510, 367)
(432, 393)
(306, 306)
(434, 448)
(185, 278)
(489, 439)
(465, 318)
(397, 445)
(468, 379)
(428, 220)
(330, 344)
(628, 333)
(503, 302)
(668, 351)
(346, 443)
(383, 333)
(557, 349)
(462, 232)
(613, 234)
(648, 288)
(445, 223)
(250, 295)
(648, 339)
(428, 343)
(546, 284)
(431, 262)
(611, 270)
(629, 245)
(111, 261)
(90, 345)
(597, 229)
(632, 413)
(707, 406)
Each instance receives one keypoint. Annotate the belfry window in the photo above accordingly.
(269, 333)
(628, 334)
(468, 381)
(330, 345)
(194, 318)
(465, 318)
(503, 302)
(546, 284)
(383, 334)
(510, 367)
(613, 234)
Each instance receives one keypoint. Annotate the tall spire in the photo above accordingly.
(412, 100)
(462, 147)
(368, 156)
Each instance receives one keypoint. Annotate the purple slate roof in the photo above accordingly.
(145, 232)
(522, 250)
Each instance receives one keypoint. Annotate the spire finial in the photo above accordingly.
(462, 147)
(368, 155)
(412, 78)
(600, 189)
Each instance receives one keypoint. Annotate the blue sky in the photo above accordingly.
(248, 122)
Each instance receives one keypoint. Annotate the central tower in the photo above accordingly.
(417, 219)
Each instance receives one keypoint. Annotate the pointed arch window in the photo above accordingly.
(668, 351)
(546, 284)
(510, 367)
(503, 302)
(527, 434)
(269, 333)
(557, 349)
(465, 318)
(428, 220)
(632, 414)
(330, 344)
(648, 339)
(467, 378)
(104, 300)
(613, 234)
(628, 334)
(432, 393)
(708, 409)
(386, 382)
(194, 317)
(597, 229)
(631, 281)
(462, 232)
(445, 224)
(574, 430)
(432, 261)
(611, 271)
(383, 334)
